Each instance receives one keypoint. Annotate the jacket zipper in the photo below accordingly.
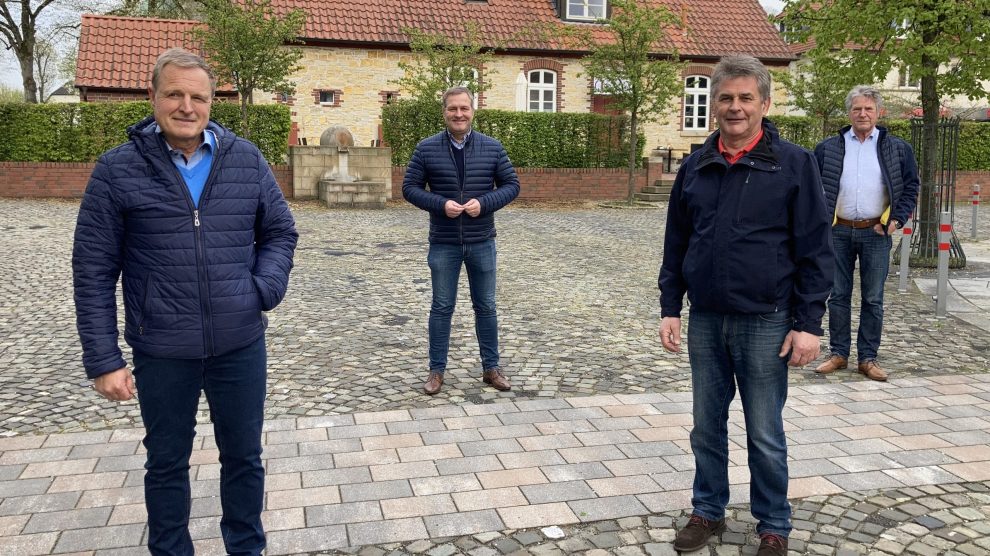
(460, 185)
(202, 270)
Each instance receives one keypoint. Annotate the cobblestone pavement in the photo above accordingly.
(578, 321)
(577, 309)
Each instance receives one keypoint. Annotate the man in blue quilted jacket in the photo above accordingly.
(461, 177)
(871, 185)
(190, 217)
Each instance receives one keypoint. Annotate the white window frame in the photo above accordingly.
(905, 81)
(696, 91)
(579, 9)
(475, 76)
(333, 97)
(542, 88)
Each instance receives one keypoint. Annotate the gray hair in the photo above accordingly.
(184, 59)
(731, 67)
(457, 91)
(867, 92)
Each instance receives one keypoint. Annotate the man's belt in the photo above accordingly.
(858, 224)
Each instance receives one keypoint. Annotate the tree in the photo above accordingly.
(47, 72)
(164, 9)
(244, 43)
(819, 87)
(944, 42)
(18, 32)
(626, 67)
(441, 62)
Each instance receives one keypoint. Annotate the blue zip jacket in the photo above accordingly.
(897, 165)
(749, 238)
(488, 177)
(195, 281)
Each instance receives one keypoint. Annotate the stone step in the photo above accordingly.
(653, 196)
(656, 189)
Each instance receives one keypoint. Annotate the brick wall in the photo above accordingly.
(68, 179)
(559, 183)
(965, 181)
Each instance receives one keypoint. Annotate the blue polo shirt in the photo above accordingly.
(196, 168)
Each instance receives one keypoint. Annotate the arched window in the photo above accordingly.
(696, 101)
(542, 91)
(468, 77)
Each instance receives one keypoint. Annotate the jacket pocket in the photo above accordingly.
(144, 320)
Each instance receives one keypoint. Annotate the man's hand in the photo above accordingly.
(670, 334)
(803, 347)
(453, 209)
(116, 385)
(473, 208)
(891, 228)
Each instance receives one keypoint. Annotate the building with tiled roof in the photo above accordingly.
(116, 55)
(352, 50)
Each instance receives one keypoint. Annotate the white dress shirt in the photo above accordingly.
(862, 193)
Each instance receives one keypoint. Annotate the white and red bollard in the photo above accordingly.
(976, 207)
(905, 267)
(942, 287)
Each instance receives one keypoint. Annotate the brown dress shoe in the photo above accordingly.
(696, 533)
(772, 545)
(872, 370)
(832, 364)
(496, 378)
(433, 383)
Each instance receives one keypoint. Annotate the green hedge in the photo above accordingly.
(81, 132)
(532, 139)
(974, 137)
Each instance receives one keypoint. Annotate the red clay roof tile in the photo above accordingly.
(119, 52)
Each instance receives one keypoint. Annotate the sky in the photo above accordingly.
(10, 73)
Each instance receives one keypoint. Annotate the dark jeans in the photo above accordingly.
(726, 351)
(445, 270)
(168, 390)
(873, 251)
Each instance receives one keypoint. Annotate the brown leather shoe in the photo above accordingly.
(772, 545)
(696, 533)
(872, 370)
(433, 383)
(832, 364)
(496, 378)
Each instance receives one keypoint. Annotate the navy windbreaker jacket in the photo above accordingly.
(488, 177)
(195, 281)
(749, 238)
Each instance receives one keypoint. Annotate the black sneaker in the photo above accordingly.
(696, 533)
(772, 545)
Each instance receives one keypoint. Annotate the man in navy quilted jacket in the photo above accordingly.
(461, 177)
(190, 217)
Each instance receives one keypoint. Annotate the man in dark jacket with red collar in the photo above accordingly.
(461, 177)
(748, 241)
(190, 216)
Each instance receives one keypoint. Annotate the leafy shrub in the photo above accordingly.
(532, 139)
(82, 132)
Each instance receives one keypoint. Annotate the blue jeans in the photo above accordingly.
(873, 251)
(726, 350)
(445, 270)
(168, 391)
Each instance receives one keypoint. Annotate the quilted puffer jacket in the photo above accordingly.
(897, 164)
(195, 280)
(488, 177)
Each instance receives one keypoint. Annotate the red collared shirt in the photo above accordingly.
(742, 152)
